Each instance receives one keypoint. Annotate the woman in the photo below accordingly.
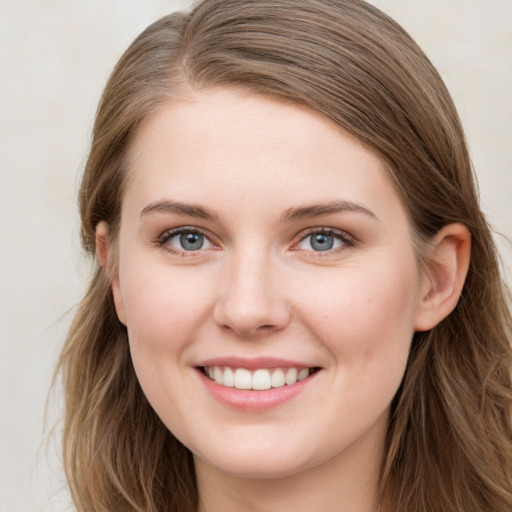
(297, 303)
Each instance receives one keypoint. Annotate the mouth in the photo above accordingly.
(258, 379)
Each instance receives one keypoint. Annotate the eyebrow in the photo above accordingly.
(290, 214)
(177, 208)
(315, 210)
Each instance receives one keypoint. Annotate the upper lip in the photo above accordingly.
(254, 363)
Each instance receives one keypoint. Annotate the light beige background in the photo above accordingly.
(55, 56)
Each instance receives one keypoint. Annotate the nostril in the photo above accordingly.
(248, 331)
(266, 328)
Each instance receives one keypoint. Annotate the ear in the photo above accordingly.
(105, 256)
(443, 276)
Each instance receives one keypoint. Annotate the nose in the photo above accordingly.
(251, 301)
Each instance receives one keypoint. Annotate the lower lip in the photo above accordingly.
(252, 400)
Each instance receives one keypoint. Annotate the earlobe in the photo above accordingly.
(118, 299)
(102, 244)
(444, 275)
(104, 256)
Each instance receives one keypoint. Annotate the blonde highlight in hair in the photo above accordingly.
(449, 443)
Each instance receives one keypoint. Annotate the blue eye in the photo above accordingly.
(186, 240)
(323, 240)
(191, 241)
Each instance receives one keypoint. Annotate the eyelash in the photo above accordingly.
(162, 240)
(346, 240)
(343, 237)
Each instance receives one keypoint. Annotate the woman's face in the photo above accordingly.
(260, 244)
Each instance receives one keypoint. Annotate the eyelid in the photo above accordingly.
(346, 239)
(161, 240)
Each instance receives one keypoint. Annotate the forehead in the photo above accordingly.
(228, 144)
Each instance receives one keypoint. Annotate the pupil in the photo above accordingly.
(322, 242)
(191, 241)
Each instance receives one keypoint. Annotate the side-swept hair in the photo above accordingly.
(449, 442)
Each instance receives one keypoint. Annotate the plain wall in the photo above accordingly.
(55, 56)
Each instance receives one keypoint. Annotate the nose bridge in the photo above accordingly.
(250, 301)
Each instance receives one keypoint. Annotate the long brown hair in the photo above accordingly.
(449, 442)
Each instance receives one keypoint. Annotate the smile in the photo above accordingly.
(259, 379)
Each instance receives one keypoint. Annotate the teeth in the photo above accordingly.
(243, 379)
(261, 379)
(291, 376)
(218, 375)
(228, 379)
(303, 374)
(278, 378)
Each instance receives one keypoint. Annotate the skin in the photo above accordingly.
(258, 288)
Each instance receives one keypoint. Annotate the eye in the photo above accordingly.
(324, 240)
(185, 240)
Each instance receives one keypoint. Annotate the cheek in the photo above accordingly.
(364, 312)
(366, 321)
(164, 307)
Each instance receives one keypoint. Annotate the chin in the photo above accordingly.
(257, 468)
(259, 461)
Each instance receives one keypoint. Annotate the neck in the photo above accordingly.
(346, 483)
